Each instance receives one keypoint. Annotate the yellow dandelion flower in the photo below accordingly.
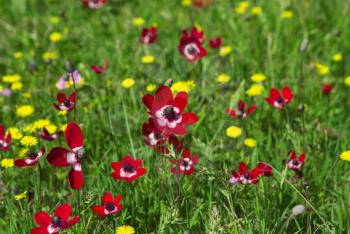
(322, 69)
(337, 57)
(51, 128)
(62, 112)
(18, 54)
(40, 123)
(7, 162)
(128, 83)
(125, 229)
(30, 128)
(138, 21)
(347, 81)
(49, 56)
(250, 142)
(29, 141)
(21, 195)
(258, 77)
(16, 86)
(242, 7)
(24, 111)
(186, 3)
(256, 10)
(233, 131)
(287, 14)
(151, 88)
(55, 37)
(223, 78)
(224, 51)
(15, 133)
(63, 127)
(55, 20)
(345, 155)
(183, 86)
(147, 59)
(255, 90)
(23, 152)
(12, 78)
(26, 95)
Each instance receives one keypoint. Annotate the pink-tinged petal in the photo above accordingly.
(100, 210)
(148, 100)
(189, 118)
(287, 94)
(61, 97)
(178, 130)
(181, 100)
(242, 168)
(39, 230)
(71, 222)
(74, 136)
(162, 98)
(76, 179)
(63, 211)
(42, 218)
(58, 157)
(72, 97)
(21, 163)
(292, 154)
(107, 197)
(302, 158)
(251, 109)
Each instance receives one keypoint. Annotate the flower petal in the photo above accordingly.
(74, 136)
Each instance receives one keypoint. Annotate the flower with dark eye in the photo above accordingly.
(45, 135)
(246, 177)
(215, 43)
(32, 158)
(111, 205)
(148, 35)
(185, 163)
(190, 46)
(4, 139)
(296, 163)
(64, 103)
(99, 69)
(280, 100)
(241, 111)
(94, 4)
(128, 169)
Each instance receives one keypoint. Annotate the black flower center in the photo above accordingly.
(295, 162)
(247, 176)
(57, 222)
(185, 163)
(109, 206)
(280, 100)
(67, 103)
(32, 154)
(128, 167)
(170, 113)
(192, 50)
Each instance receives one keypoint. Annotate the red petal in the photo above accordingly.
(194, 159)
(58, 157)
(71, 222)
(242, 168)
(107, 197)
(287, 94)
(73, 97)
(178, 130)
(292, 154)
(2, 132)
(251, 109)
(181, 100)
(148, 100)
(162, 98)
(39, 230)
(21, 163)
(42, 218)
(117, 199)
(100, 210)
(74, 136)
(76, 179)
(189, 118)
(302, 158)
(63, 211)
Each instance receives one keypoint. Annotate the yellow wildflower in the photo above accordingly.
(18, 55)
(15, 133)
(150, 88)
(29, 141)
(25, 110)
(287, 14)
(250, 142)
(128, 83)
(49, 55)
(55, 37)
(183, 86)
(242, 7)
(337, 57)
(51, 128)
(345, 155)
(23, 152)
(16, 86)
(21, 195)
(322, 69)
(63, 127)
(223, 78)
(26, 95)
(256, 10)
(30, 128)
(147, 59)
(255, 90)
(138, 21)
(233, 131)
(62, 112)
(55, 20)
(186, 3)
(125, 229)
(347, 81)
(12, 78)
(225, 50)
(258, 77)
(7, 162)
(40, 123)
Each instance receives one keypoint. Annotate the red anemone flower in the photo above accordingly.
(241, 111)
(166, 111)
(99, 69)
(4, 140)
(45, 135)
(327, 89)
(295, 163)
(127, 169)
(244, 176)
(148, 35)
(215, 43)
(151, 134)
(185, 163)
(265, 169)
(280, 100)
(94, 4)
(64, 103)
(33, 158)
(62, 157)
(190, 46)
(110, 205)
(201, 3)
(59, 221)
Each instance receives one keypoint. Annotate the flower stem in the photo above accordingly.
(113, 221)
(78, 202)
(39, 187)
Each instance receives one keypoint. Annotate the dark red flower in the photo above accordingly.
(59, 221)
(94, 4)
(99, 69)
(265, 169)
(45, 135)
(241, 111)
(201, 3)
(110, 205)
(127, 169)
(148, 35)
(166, 111)
(62, 157)
(185, 163)
(32, 159)
(280, 100)
(64, 103)
(190, 46)
(215, 43)
(151, 134)
(244, 176)
(327, 89)
(4, 140)
(295, 163)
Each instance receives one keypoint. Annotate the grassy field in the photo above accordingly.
(303, 44)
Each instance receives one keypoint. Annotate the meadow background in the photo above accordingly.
(284, 48)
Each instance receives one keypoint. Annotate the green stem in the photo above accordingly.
(39, 187)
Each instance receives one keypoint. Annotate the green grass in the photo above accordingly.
(111, 116)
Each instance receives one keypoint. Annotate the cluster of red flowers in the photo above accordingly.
(246, 176)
